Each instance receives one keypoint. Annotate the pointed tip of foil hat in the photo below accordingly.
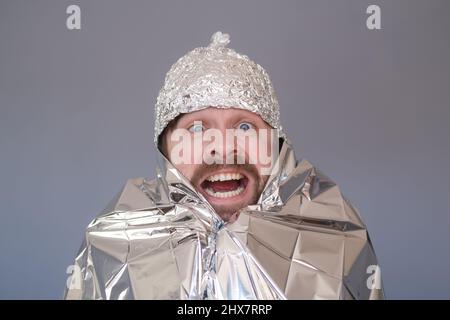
(219, 39)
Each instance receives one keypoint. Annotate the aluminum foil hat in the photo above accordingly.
(216, 76)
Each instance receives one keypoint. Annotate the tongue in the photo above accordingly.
(224, 186)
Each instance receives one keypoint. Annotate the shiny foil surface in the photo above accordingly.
(216, 76)
(160, 239)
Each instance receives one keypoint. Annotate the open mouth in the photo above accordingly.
(225, 185)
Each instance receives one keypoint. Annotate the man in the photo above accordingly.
(232, 213)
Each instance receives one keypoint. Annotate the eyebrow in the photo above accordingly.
(189, 118)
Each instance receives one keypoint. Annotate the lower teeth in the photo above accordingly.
(226, 194)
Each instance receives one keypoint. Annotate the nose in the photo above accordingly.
(223, 149)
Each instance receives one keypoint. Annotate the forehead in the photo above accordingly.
(219, 115)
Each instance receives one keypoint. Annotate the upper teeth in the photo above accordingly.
(225, 177)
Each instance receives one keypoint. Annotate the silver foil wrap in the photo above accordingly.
(216, 76)
(160, 239)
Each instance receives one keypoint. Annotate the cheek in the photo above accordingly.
(264, 150)
(187, 170)
(260, 168)
(183, 149)
(262, 177)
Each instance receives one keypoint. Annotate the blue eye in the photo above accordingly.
(196, 127)
(245, 126)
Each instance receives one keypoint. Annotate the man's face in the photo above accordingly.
(219, 166)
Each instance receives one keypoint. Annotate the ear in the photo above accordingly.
(163, 137)
(162, 141)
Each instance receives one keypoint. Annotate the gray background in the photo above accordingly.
(370, 108)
